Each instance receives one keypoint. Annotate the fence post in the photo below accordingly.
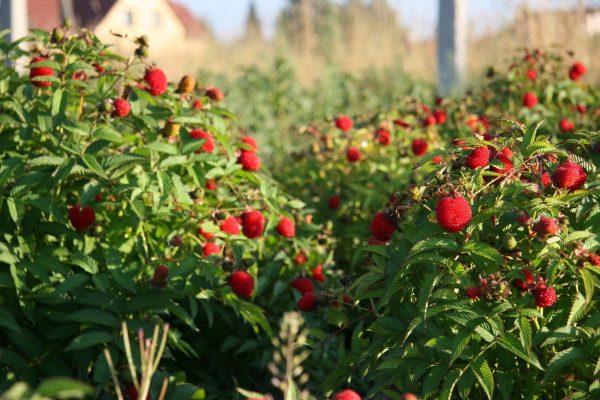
(451, 44)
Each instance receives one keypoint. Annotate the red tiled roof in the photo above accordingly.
(44, 14)
(193, 26)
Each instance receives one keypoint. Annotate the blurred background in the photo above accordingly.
(227, 36)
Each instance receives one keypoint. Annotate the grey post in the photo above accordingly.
(451, 44)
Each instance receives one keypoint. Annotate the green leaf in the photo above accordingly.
(589, 284)
(59, 103)
(64, 388)
(563, 359)
(94, 315)
(89, 339)
(86, 263)
(577, 309)
(162, 148)
(513, 345)
(484, 375)
(8, 321)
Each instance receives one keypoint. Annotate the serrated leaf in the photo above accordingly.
(562, 359)
(484, 375)
(89, 339)
(577, 309)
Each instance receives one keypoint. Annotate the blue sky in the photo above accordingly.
(227, 17)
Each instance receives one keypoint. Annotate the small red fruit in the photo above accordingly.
(334, 202)
(250, 143)
(34, 72)
(440, 116)
(250, 161)
(453, 213)
(210, 184)
(300, 258)
(430, 120)
(230, 226)
(308, 302)
(208, 146)
(82, 218)
(343, 123)
(286, 227)
(577, 71)
(531, 74)
(523, 218)
(206, 235)
(156, 80)
(303, 285)
(419, 146)
(160, 276)
(197, 104)
(546, 226)
(381, 227)
(215, 94)
(383, 136)
(347, 395)
(530, 100)
(479, 157)
(122, 108)
(242, 284)
(210, 248)
(526, 284)
(544, 296)
(594, 259)
(581, 108)
(473, 293)
(353, 154)
(253, 224)
(569, 175)
(507, 165)
(437, 160)
(565, 125)
(317, 273)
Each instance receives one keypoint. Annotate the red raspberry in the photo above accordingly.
(581, 108)
(34, 72)
(343, 123)
(215, 94)
(577, 71)
(347, 395)
(419, 146)
(334, 202)
(440, 116)
(242, 284)
(303, 285)
(122, 108)
(210, 248)
(381, 227)
(206, 235)
(507, 165)
(530, 100)
(250, 143)
(308, 302)
(473, 293)
(253, 224)
(317, 273)
(479, 157)
(569, 175)
(300, 258)
(526, 284)
(453, 213)
(437, 160)
(210, 184)
(531, 74)
(156, 80)
(430, 120)
(197, 104)
(565, 125)
(383, 136)
(594, 259)
(376, 242)
(523, 218)
(544, 296)
(208, 146)
(546, 179)
(250, 161)
(286, 227)
(230, 226)
(82, 218)
(353, 154)
(546, 226)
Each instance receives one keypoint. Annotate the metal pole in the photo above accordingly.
(452, 44)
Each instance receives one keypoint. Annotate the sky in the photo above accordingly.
(227, 17)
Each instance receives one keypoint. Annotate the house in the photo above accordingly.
(172, 30)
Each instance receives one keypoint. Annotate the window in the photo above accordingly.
(156, 19)
(128, 18)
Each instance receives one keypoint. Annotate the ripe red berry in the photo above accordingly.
(317, 273)
(531, 74)
(507, 165)
(437, 159)
(546, 179)
(565, 125)
(353, 154)
(303, 285)
(544, 296)
(300, 258)
(430, 120)
(594, 259)
(526, 284)
(208, 146)
(419, 146)
(286, 227)
(383, 136)
(343, 123)
(230, 226)
(581, 108)
(253, 224)
(440, 116)
(453, 213)
(569, 175)
(250, 143)
(530, 100)
(98, 67)
(160, 276)
(250, 161)
(34, 72)
(479, 157)
(334, 202)
(347, 395)
(122, 108)
(473, 292)
(210, 248)
(210, 184)
(577, 71)
(206, 235)
(546, 226)
(308, 302)
(523, 218)
(156, 80)
(381, 227)
(82, 218)
(197, 104)
(215, 94)
(242, 284)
